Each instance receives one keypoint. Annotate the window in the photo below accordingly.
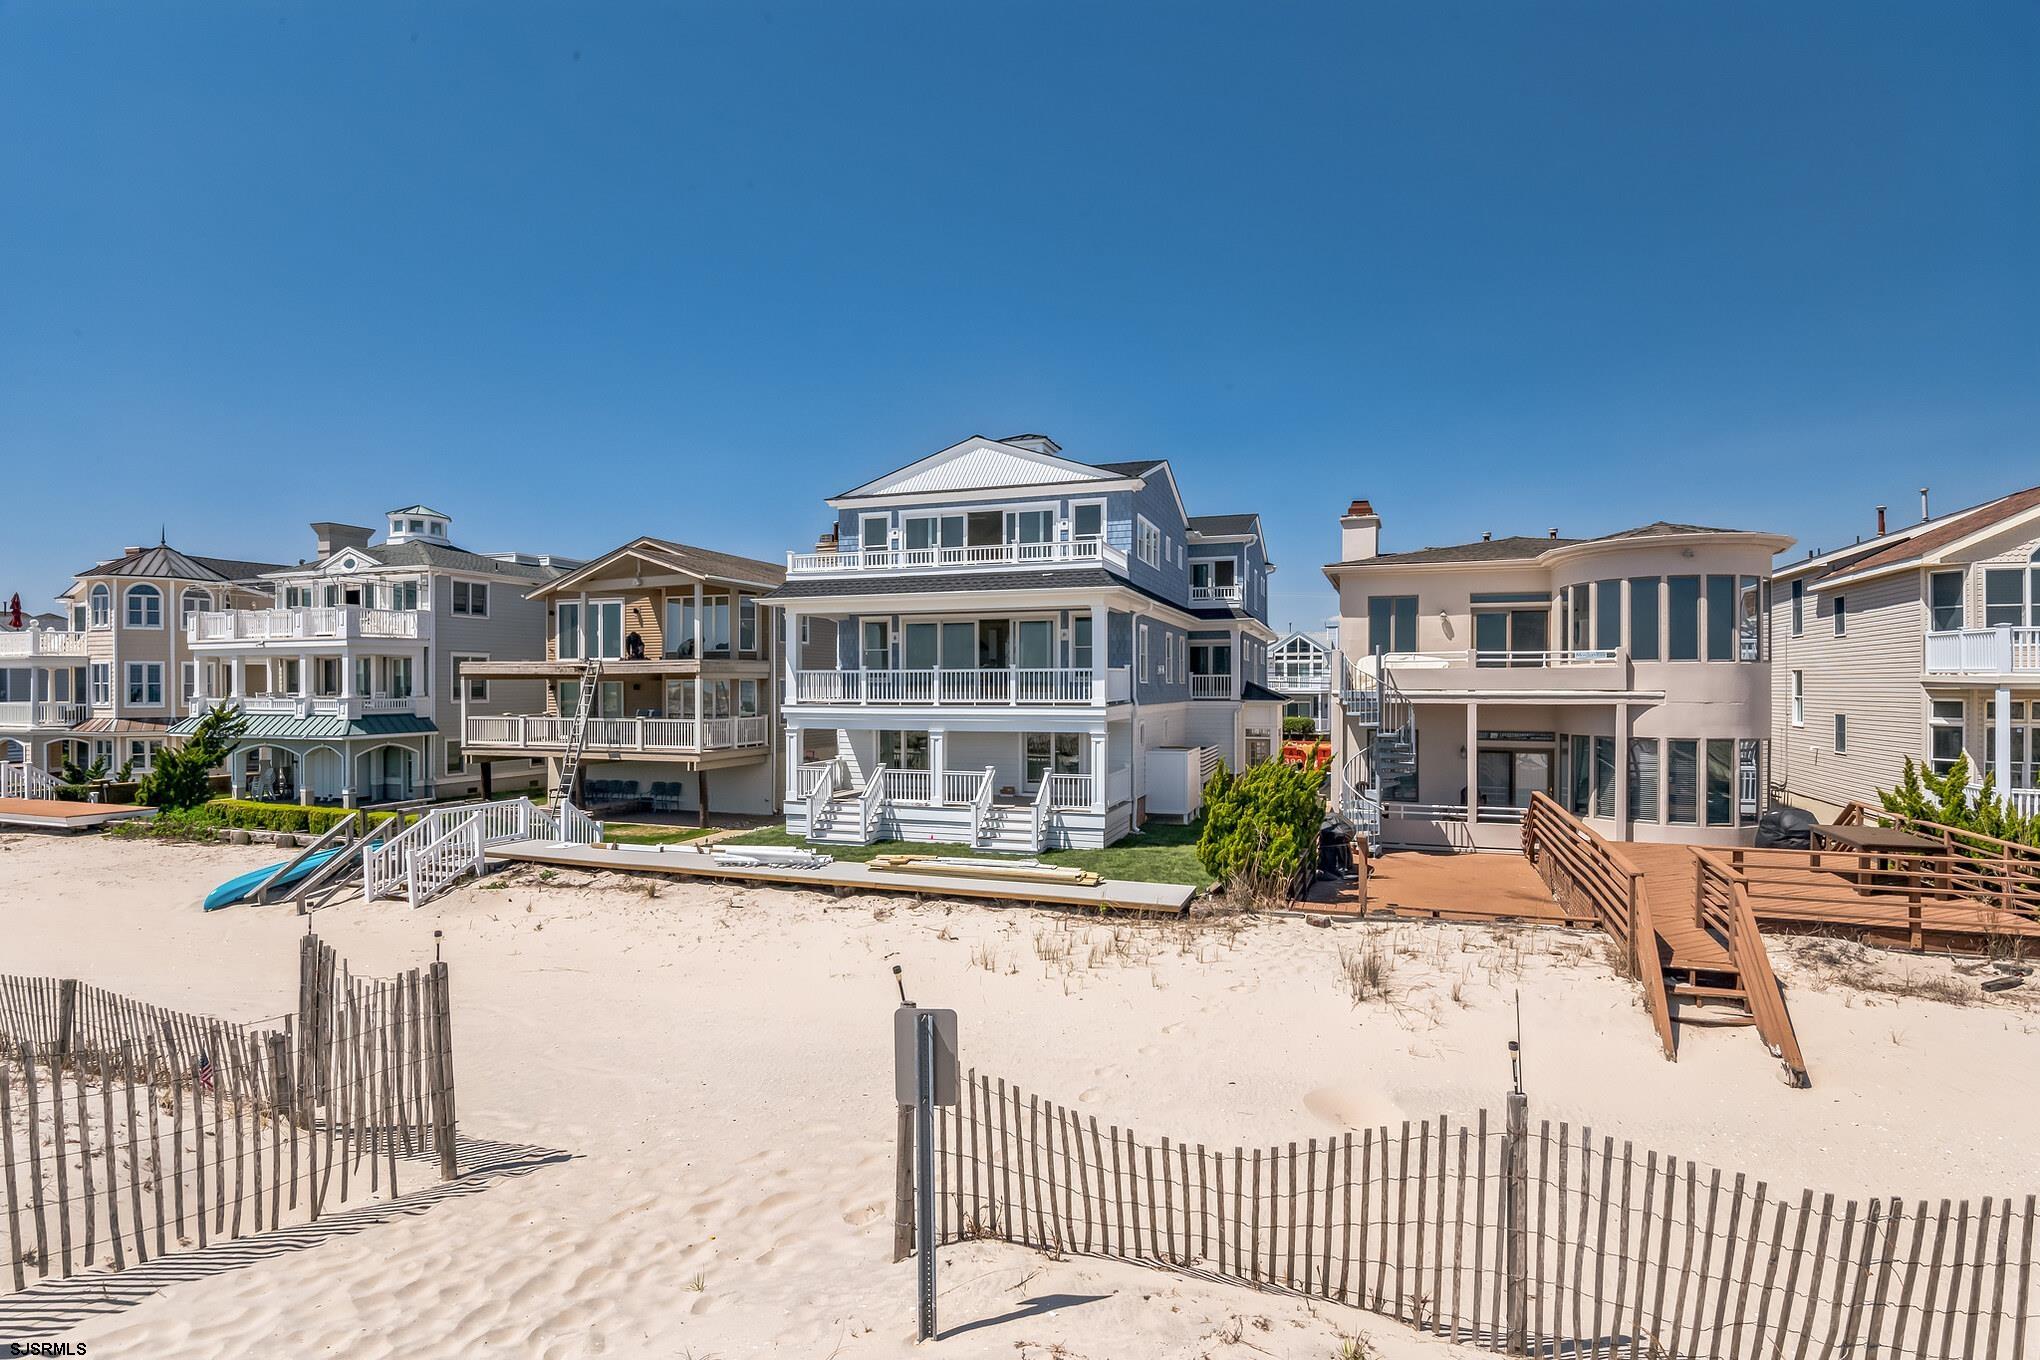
(747, 698)
(471, 598)
(1087, 520)
(1147, 541)
(1944, 601)
(1643, 779)
(403, 594)
(1607, 615)
(141, 755)
(1080, 642)
(1721, 618)
(2025, 732)
(805, 624)
(187, 681)
(603, 631)
(1944, 734)
(2004, 598)
(1683, 593)
(1841, 733)
(1798, 608)
(1748, 612)
(1841, 616)
(903, 750)
(145, 684)
(1582, 789)
(1720, 783)
(680, 626)
(1030, 526)
(1643, 618)
(1604, 776)
(102, 606)
(715, 625)
(933, 531)
(567, 631)
(144, 607)
(1799, 698)
(476, 687)
(873, 532)
(747, 624)
(1682, 783)
(1391, 623)
(1141, 660)
(1050, 752)
(193, 602)
(102, 683)
(877, 645)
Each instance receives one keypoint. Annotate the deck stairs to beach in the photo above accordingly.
(577, 735)
(452, 841)
(19, 779)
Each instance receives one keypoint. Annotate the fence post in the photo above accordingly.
(67, 1015)
(1516, 1167)
(903, 1188)
(440, 1062)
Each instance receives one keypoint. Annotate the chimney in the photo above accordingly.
(1552, 532)
(1487, 535)
(333, 537)
(130, 551)
(1924, 516)
(1880, 521)
(826, 543)
(1359, 532)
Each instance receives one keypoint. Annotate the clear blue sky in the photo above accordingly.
(1498, 266)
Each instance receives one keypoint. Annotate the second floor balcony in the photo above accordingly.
(963, 687)
(348, 706)
(22, 715)
(544, 733)
(1983, 651)
(336, 623)
(851, 557)
(1217, 594)
(41, 642)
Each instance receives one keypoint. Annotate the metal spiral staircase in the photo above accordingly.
(1373, 703)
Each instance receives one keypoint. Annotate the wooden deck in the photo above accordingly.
(1444, 885)
(1684, 946)
(58, 814)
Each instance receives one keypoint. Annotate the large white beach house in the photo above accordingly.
(1019, 634)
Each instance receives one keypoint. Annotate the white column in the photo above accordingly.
(1097, 765)
(697, 631)
(2001, 739)
(938, 761)
(793, 738)
(1472, 767)
(347, 664)
(1098, 653)
(304, 675)
(1622, 771)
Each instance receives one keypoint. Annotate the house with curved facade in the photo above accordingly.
(1626, 675)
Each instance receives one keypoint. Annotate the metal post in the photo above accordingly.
(924, 1176)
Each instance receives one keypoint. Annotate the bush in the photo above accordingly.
(181, 776)
(172, 824)
(248, 814)
(1261, 827)
(1924, 796)
(1299, 727)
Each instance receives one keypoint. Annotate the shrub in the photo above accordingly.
(181, 776)
(1299, 727)
(1924, 796)
(248, 814)
(172, 824)
(1261, 826)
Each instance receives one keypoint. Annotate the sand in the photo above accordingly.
(700, 1077)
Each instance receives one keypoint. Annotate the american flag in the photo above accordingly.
(205, 1072)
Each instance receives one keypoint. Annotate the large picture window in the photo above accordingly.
(1683, 597)
(144, 607)
(1944, 601)
(1643, 779)
(1944, 734)
(1720, 783)
(1607, 615)
(1682, 782)
(1721, 618)
(1392, 623)
(1643, 618)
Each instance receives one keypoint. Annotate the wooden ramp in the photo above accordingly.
(59, 814)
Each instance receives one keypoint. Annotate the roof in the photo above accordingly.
(1919, 543)
(1253, 691)
(167, 563)
(321, 727)
(418, 510)
(1311, 639)
(685, 557)
(1525, 548)
(123, 727)
(1138, 468)
(1226, 524)
(444, 556)
(978, 463)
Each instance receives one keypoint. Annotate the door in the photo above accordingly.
(1532, 775)
(1037, 644)
(877, 636)
(605, 628)
(995, 637)
(918, 648)
(1044, 752)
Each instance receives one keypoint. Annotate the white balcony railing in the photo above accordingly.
(1300, 679)
(1232, 594)
(850, 557)
(1070, 791)
(308, 705)
(23, 714)
(962, 687)
(31, 642)
(338, 623)
(1983, 651)
(1211, 687)
(544, 732)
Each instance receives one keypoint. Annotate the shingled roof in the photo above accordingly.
(1525, 548)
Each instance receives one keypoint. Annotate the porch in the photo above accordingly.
(549, 734)
(965, 687)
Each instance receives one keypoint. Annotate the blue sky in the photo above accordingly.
(1495, 266)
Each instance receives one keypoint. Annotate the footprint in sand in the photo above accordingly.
(1353, 1106)
(862, 1214)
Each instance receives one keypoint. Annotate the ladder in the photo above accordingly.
(577, 735)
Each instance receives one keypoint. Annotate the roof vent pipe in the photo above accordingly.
(1924, 516)
(1880, 521)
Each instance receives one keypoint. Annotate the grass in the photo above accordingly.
(1163, 853)
(648, 833)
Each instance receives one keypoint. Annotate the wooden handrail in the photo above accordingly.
(1721, 901)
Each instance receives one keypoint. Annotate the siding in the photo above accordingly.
(1871, 675)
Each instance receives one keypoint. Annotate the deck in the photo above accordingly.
(59, 814)
(684, 861)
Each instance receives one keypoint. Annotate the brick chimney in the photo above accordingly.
(1359, 532)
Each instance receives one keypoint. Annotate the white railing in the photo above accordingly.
(385, 868)
(18, 779)
(851, 557)
(1299, 679)
(1983, 651)
(309, 705)
(868, 804)
(1588, 656)
(41, 642)
(1211, 687)
(574, 826)
(539, 731)
(304, 624)
(960, 788)
(1232, 594)
(982, 804)
(827, 775)
(1069, 791)
(1041, 811)
(41, 713)
(437, 863)
(964, 686)
(1119, 787)
(909, 786)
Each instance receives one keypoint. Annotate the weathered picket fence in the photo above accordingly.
(132, 1131)
(1547, 1241)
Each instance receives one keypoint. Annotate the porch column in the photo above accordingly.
(697, 642)
(938, 761)
(793, 740)
(347, 664)
(1098, 654)
(2001, 740)
(1097, 766)
(1472, 768)
(304, 675)
(1622, 771)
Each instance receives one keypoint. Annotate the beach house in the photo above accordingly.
(1921, 641)
(653, 687)
(1300, 670)
(346, 673)
(1626, 675)
(1018, 634)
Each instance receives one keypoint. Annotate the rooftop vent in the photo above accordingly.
(1552, 532)
(1035, 443)
(1880, 521)
(1487, 536)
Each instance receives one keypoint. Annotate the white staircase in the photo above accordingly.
(449, 842)
(841, 815)
(577, 736)
(19, 779)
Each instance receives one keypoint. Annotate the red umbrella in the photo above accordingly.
(14, 611)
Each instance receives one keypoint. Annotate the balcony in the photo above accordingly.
(39, 642)
(1053, 686)
(1300, 679)
(348, 706)
(543, 733)
(24, 715)
(1984, 651)
(1473, 671)
(1211, 686)
(339, 623)
(1232, 594)
(850, 559)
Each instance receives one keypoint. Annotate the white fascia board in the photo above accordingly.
(1002, 494)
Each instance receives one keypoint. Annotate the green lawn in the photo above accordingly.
(1164, 853)
(647, 833)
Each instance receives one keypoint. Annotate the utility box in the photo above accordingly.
(1175, 782)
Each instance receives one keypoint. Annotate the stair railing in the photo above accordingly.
(982, 805)
(1041, 805)
(868, 804)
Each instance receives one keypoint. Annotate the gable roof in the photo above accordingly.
(1920, 543)
(167, 563)
(681, 557)
(1528, 548)
(1226, 524)
(428, 556)
(977, 463)
(1311, 640)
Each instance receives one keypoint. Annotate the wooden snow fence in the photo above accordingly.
(1545, 1241)
(133, 1131)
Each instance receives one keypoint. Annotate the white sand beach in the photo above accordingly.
(713, 1066)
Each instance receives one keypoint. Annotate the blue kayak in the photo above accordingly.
(238, 889)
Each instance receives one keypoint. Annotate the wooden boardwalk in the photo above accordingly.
(1684, 946)
(58, 814)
